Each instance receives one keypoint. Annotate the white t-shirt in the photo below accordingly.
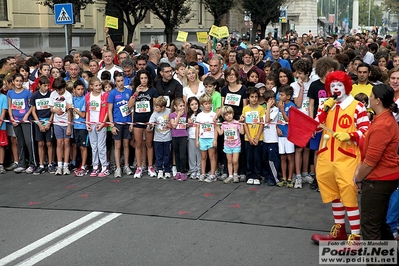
(112, 71)
(207, 128)
(94, 107)
(188, 93)
(60, 101)
(269, 130)
(191, 130)
(305, 102)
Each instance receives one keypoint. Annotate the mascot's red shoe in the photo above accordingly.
(337, 232)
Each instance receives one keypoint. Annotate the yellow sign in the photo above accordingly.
(219, 32)
(182, 36)
(111, 22)
(202, 37)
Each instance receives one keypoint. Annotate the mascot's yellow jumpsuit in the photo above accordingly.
(337, 161)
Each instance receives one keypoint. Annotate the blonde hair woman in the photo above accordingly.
(194, 87)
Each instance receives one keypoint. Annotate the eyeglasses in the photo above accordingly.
(167, 71)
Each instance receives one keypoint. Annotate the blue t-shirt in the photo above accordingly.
(3, 105)
(41, 103)
(80, 104)
(143, 107)
(19, 103)
(280, 118)
(120, 111)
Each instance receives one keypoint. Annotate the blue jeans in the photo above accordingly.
(162, 152)
(271, 162)
(254, 157)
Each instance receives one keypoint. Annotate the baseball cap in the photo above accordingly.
(260, 85)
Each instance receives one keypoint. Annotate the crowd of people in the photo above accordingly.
(219, 112)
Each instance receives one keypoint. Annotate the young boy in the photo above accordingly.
(271, 83)
(61, 105)
(303, 69)
(253, 127)
(159, 121)
(3, 131)
(43, 126)
(206, 137)
(210, 84)
(270, 141)
(285, 147)
(79, 127)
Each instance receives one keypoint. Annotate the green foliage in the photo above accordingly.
(78, 4)
(218, 9)
(392, 5)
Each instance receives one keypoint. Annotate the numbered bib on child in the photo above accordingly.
(42, 104)
(18, 104)
(143, 107)
(94, 105)
(230, 134)
(125, 110)
(182, 123)
(252, 117)
(75, 115)
(61, 105)
(206, 129)
(232, 99)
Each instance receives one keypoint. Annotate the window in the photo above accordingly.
(3, 10)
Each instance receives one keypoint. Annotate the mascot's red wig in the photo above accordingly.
(338, 76)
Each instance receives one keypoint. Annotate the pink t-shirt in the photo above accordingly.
(231, 134)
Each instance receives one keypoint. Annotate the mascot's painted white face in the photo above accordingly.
(338, 88)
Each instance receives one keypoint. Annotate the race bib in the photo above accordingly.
(182, 123)
(207, 127)
(42, 104)
(321, 101)
(252, 117)
(232, 99)
(230, 134)
(75, 115)
(305, 107)
(125, 110)
(60, 105)
(94, 105)
(143, 107)
(167, 98)
(18, 104)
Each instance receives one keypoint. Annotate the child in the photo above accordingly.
(61, 105)
(285, 147)
(79, 125)
(271, 83)
(19, 111)
(211, 84)
(178, 120)
(43, 127)
(3, 131)
(253, 115)
(232, 142)
(179, 73)
(96, 118)
(108, 86)
(270, 141)
(159, 122)
(194, 154)
(267, 68)
(206, 137)
(120, 118)
(363, 98)
(261, 88)
(87, 75)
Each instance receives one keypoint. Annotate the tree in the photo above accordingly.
(172, 13)
(218, 9)
(131, 8)
(375, 13)
(392, 5)
(77, 6)
(262, 12)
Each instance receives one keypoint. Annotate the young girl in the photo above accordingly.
(194, 154)
(252, 78)
(44, 70)
(142, 101)
(96, 118)
(24, 71)
(178, 118)
(87, 75)
(20, 111)
(108, 86)
(232, 142)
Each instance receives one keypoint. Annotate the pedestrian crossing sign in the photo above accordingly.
(63, 14)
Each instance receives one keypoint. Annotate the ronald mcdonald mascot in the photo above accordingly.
(339, 155)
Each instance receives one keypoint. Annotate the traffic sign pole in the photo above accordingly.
(64, 16)
(66, 39)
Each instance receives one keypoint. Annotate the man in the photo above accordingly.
(362, 84)
(123, 55)
(144, 49)
(109, 65)
(273, 42)
(74, 71)
(76, 56)
(84, 63)
(258, 61)
(128, 71)
(332, 51)
(58, 63)
(248, 59)
(167, 86)
(293, 51)
(339, 156)
(395, 59)
(264, 44)
(276, 58)
(201, 63)
(305, 39)
(141, 62)
(171, 53)
(215, 67)
(5, 66)
(154, 55)
(233, 58)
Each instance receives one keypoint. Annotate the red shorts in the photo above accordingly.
(3, 138)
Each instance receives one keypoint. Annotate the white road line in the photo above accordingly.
(48, 238)
(69, 240)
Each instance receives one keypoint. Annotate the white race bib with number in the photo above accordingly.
(125, 110)
(94, 105)
(252, 117)
(60, 105)
(167, 98)
(18, 104)
(143, 107)
(232, 99)
(230, 134)
(182, 123)
(42, 104)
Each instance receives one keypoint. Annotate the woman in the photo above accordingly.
(284, 54)
(378, 174)
(382, 59)
(194, 87)
(393, 81)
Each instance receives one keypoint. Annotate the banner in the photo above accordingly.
(182, 36)
(111, 22)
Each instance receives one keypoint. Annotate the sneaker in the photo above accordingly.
(257, 182)
(236, 179)
(289, 183)
(66, 170)
(183, 177)
(19, 170)
(270, 184)
(138, 173)
(80, 172)
(151, 171)
(160, 174)
(167, 176)
(307, 179)
(104, 173)
(243, 178)
(38, 171)
(118, 173)
(94, 172)
(127, 170)
(30, 169)
(58, 171)
(282, 183)
(228, 180)
(174, 170)
(210, 179)
(143, 168)
(12, 166)
(201, 178)
(51, 169)
(2, 170)
(298, 182)
(177, 176)
(250, 181)
(314, 185)
(223, 177)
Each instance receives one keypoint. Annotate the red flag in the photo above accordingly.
(300, 127)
